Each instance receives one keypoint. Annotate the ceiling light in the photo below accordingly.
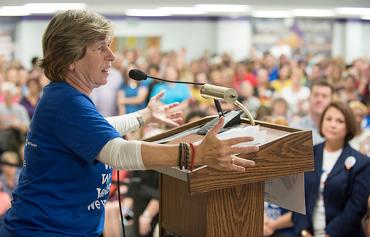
(38, 8)
(181, 11)
(222, 8)
(271, 14)
(352, 11)
(145, 12)
(52, 7)
(13, 11)
(313, 12)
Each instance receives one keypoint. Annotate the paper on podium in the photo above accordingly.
(250, 131)
(286, 192)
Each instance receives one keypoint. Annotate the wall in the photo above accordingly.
(234, 36)
(197, 34)
(7, 30)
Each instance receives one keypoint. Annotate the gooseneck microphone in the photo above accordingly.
(138, 75)
(207, 91)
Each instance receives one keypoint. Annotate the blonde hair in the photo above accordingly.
(9, 157)
(357, 105)
(9, 87)
(66, 38)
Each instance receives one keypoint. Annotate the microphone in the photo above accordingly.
(207, 91)
(138, 75)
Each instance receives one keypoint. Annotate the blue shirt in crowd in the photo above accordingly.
(173, 92)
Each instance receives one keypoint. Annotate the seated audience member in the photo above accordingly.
(112, 219)
(283, 80)
(30, 101)
(263, 91)
(361, 141)
(337, 191)
(195, 115)
(277, 222)
(8, 179)
(320, 96)
(14, 120)
(4, 203)
(9, 171)
(279, 108)
(142, 202)
(131, 96)
(296, 95)
(174, 93)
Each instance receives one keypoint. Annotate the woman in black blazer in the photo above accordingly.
(337, 191)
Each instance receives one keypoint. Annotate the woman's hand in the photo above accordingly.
(220, 154)
(157, 112)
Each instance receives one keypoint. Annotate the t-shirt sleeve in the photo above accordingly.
(82, 129)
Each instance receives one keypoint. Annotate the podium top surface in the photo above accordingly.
(285, 151)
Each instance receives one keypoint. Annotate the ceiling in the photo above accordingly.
(119, 6)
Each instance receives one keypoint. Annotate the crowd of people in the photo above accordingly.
(305, 92)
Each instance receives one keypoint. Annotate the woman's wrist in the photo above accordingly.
(198, 158)
(146, 114)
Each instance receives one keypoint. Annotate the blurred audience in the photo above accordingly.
(282, 90)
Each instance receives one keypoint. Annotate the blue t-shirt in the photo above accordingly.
(62, 188)
(173, 92)
(274, 74)
(132, 92)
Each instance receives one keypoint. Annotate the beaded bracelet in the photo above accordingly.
(184, 156)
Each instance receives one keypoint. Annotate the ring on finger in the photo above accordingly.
(232, 160)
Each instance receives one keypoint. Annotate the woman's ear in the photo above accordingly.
(72, 66)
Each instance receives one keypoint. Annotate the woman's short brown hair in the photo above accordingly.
(348, 117)
(66, 38)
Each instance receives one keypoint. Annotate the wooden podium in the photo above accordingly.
(208, 202)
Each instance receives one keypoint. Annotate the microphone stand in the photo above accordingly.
(219, 108)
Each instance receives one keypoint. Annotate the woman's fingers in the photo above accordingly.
(242, 162)
(158, 96)
(243, 149)
(170, 106)
(237, 168)
(239, 164)
(175, 115)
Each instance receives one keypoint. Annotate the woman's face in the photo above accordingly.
(284, 72)
(94, 66)
(34, 87)
(334, 125)
(171, 74)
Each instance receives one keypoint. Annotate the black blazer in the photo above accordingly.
(345, 194)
